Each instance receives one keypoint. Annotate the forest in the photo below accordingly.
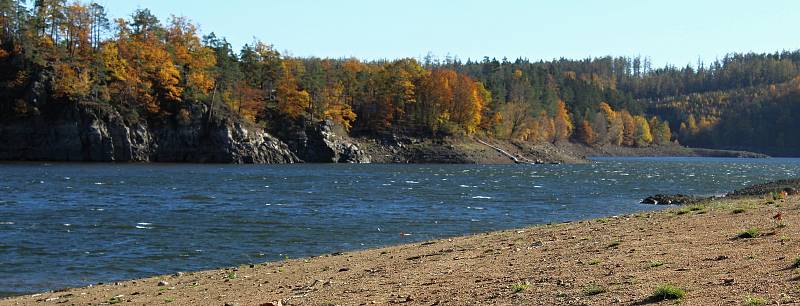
(156, 70)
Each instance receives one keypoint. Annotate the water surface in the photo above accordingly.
(64, 225)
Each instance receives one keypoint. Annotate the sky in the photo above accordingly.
(677, 32)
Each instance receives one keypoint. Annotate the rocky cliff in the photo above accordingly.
(97, 132)
(320, 143)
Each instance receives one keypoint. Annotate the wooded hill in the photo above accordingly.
(150, 70)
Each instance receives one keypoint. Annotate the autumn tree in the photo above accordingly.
(563, 122)
(336, 108)
(629, 128)
(469, 99)
(516, 122)
(643, 136)
(660, 130)
(293, 102)
(437, 98)
(615, 130)
(586, 133)
(193, 59)
(139, 66)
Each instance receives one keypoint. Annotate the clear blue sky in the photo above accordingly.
(669, 31)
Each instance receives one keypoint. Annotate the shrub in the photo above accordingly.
(594, 289)
(754, 301)
(667, 292)
(749, 233)
(517, 288)
(656, 263)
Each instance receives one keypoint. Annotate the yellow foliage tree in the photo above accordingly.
(143, 68)
(562, 122)
(586, 134)
(72, 83)
(629, 128)
(643, 135)
(292, 101)
(194, 59)
(336, 109)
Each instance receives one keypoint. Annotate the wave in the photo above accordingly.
(198, 197)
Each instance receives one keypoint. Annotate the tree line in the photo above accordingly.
(153, 70)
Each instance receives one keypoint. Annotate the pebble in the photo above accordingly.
(162, 283)
(728, 281)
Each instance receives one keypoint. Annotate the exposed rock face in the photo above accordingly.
(320, 144)
(97, 132)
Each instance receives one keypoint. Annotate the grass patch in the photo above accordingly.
(739, 210)
(114, 300)
(594, 262)
(796, 263)
(594, 289)
(169, 300)
(656, 263)
(754, 301)
(696, 208)
(519, 287)
(683, 211)
(752, 232)
(614, 244)
(232, 275)
(667, 292)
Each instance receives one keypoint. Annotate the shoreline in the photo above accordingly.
(476, 151)
(627, 256)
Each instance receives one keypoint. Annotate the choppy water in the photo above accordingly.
(64, 225)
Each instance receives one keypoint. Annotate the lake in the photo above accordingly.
(65, 225)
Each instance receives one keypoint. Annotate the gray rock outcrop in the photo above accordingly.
(320, 144)
(97, 132)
